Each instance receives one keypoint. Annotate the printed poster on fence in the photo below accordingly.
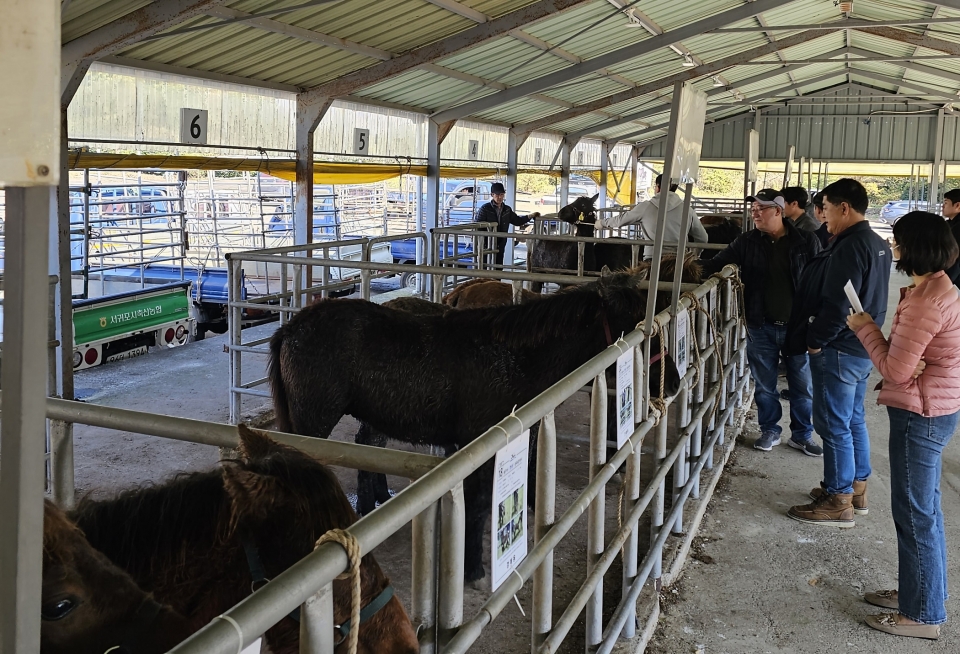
(680, 342)
(509, 528)
(625, 412)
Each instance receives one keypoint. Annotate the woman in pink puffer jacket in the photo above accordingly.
(923, 403)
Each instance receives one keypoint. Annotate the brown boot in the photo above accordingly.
(829, 510)
(859, 496)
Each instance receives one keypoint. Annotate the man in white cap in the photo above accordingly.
(498, 211)
(771, 259)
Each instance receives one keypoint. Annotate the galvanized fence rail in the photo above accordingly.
(714, 390)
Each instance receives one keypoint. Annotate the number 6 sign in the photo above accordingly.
(193, 126)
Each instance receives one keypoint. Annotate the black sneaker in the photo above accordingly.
(808, 447)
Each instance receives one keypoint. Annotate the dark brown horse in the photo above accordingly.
(720, 228)
(202, 540)
(441, 380)
(558, 255)
(90, 606)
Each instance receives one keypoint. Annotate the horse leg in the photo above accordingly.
(478, 495)
(371, 487)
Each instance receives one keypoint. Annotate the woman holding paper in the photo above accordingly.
(923, 411)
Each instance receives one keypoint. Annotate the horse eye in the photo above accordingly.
(58, 610)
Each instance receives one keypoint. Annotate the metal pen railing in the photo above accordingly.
(713, 392)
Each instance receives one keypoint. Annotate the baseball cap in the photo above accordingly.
(768, 197)
(497, 187)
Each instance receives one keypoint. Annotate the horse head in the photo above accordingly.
(90, 606)
(282, 501)
(581, 211)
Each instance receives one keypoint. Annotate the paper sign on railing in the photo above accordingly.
(680, 342)
(509, 529)
(712, 309)
(253, 648)
(625, 410)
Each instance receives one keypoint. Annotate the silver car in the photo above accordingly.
(893, 210)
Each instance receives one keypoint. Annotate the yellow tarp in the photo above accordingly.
(323, 172)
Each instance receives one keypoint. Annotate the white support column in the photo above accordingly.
(432, 208)
(604, 167)
(24, 382)
(309, 115)
(565, 149)
(634, 171)
(933, 198)
(513, 151)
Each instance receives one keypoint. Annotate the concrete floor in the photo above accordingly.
(760, 582)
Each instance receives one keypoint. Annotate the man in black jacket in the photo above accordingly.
(771, 259)
(796, 199)
(838, 362)
(498, 211)
(951, 211)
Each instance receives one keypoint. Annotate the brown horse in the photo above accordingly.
(202, 540)
(481, 293)
(90, 606)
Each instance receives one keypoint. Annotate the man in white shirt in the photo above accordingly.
(645, 213)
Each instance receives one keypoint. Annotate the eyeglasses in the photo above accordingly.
(760, 209)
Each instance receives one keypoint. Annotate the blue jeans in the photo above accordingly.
(840, 383)
(916, 445)
(764, 345)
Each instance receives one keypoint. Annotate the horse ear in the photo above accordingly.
(606, 272)
(251, 494)
(255, 444)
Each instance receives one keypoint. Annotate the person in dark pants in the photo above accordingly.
(498, 211)
(839, 364)
(771, 260)
(795, 200)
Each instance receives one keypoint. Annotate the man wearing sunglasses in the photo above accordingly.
(771, 259)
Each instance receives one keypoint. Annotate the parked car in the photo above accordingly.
(893, 210)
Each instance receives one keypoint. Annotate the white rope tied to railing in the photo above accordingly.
(352, 547)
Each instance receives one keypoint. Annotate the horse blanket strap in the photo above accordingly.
(366, 612)
(656, 357)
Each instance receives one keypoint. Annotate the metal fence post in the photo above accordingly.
(631, 494)
(680, 466)
(450, 592)
(659, 500)
(234, 325)
(544, 516)
(696, 438)
(316, 623)
(598, 456)
(424, 572)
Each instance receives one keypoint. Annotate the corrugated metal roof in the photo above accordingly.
(351, 35)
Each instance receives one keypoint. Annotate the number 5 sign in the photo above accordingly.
(193, 126)
(361, 141)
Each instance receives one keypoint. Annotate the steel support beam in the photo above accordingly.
(432, 208)
(77, 55)
(886, 79)
(444, 47)
(910, 65)
(919, 40)
(565, 147)
(604, 168)
(667, 82)
(23, 428)
(615, 58)
(836, 25)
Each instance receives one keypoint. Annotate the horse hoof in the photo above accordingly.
(476, 584)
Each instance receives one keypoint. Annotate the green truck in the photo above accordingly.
(123, 326)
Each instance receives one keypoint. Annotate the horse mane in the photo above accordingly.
(158, 520)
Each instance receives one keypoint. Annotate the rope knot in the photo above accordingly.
(352, 547)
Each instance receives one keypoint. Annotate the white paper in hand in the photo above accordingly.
(853, 297)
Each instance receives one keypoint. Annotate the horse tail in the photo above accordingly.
(281, 406)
